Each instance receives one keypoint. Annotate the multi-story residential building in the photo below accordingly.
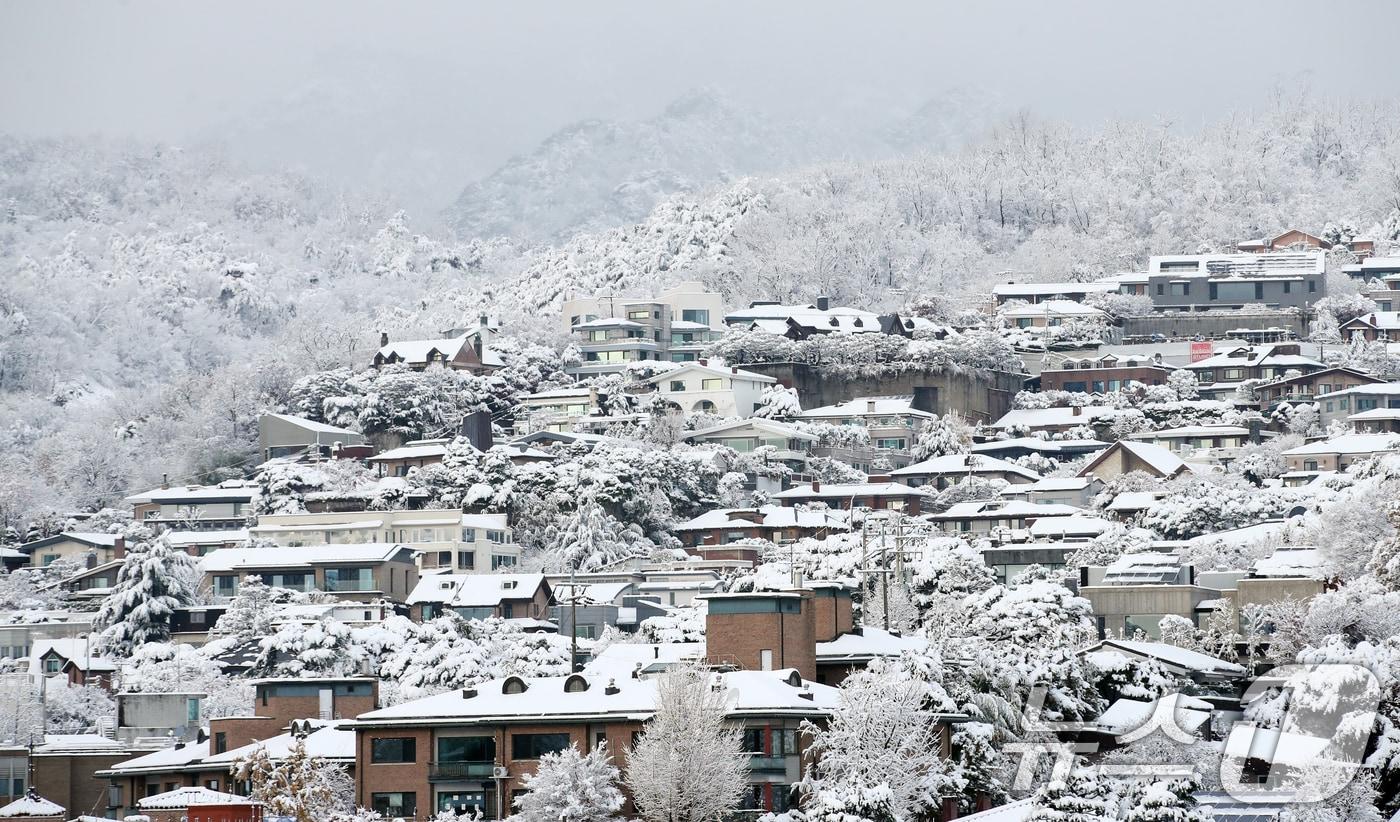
(556, 410)
(363, 572)
(469, 749)
(893, 423)
(878, 494)
(791, 446)
(800, 322)
(1212, 443)
(283, 435)
(413, 454)
(1076, 491)
(1035, 293)
(950, 469)
(1025, 446)
(1220, 374)
(1338, 453)
(994, 516)
(227, 506)
(1202, 282)
(479, 596)
(1383, 326)
(465, 349)
(611, 332)
(1377, 421)
(1309, 387)
(710, 533)
(702, 388)
(1341, 404)
(1381, 269)
(1047, 314)
(1056, 420)
(440, 538)
(1099, 375)
(82, 548)
(1128, 456)
(313, 711)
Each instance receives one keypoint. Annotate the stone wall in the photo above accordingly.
(980, 397)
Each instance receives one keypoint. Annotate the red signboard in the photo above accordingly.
(1202, 351)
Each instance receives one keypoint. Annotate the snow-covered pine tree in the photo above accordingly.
(571, 787)
(152, 581)
(1167, 802)
(687, 765)
(1081, 797)
(941, 436)
(778, 402)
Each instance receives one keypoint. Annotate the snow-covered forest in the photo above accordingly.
(160, 297)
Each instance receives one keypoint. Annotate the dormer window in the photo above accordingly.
(510, 585)
(575, 684)
(794, 679)
(514, 685)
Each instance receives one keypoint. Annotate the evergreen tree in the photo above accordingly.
(570, 787)
(1081, 797)
(153, 580)
(941, 436)
(1167, 802)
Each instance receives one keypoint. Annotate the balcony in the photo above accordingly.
(453, 771)
(762, 763)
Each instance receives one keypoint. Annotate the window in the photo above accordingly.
(354, 579)
(597, 336)
(52, 665)
(696, 315)
(533, 746)
(211, 784)
(466, 559)
(894, 443)
(225, 586)
(502, 561)
(478, 749)
(638, 315)
(713, 384)
(677, 385)
(585, 631)
(1309, 465)
(1287, 287)
(765, 659)
(396, 803)
(1365, 404)
(496, 537)
(1161, 289)
(462, 802)
(1181, 289)
(1312, 286)
(293, 582)
(220, 742)
(394, 749)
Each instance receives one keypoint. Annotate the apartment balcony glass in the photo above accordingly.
(341, 580)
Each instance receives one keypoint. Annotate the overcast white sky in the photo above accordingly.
(501, 76)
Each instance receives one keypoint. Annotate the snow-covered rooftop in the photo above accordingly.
(189, 797)
(768, 516)
(236, 559)
(1291, 561)
(866, 406)
(1181, 658)
(1071, 526)
(1066, 416)
(31, 805)
(854, 489)
(963, 464)
(474, 590)
(1348, 444)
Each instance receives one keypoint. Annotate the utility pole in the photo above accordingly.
(573, 618)
(885, 574)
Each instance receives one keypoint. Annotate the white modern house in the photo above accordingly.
(701, 387)
(441, 539)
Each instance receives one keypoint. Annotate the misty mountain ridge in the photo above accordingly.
(597, 174)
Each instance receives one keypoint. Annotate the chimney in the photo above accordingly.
(1077, 410)
(165, 482)
(383, 338)
(870, 406)
(485, 321)
(703, 361)
(823, 303)
(119, 548)
(734, 369)
(816, 485)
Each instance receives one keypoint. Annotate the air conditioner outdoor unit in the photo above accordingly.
(500, 773)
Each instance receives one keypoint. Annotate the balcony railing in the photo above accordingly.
(762, 763)
(460, 770)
